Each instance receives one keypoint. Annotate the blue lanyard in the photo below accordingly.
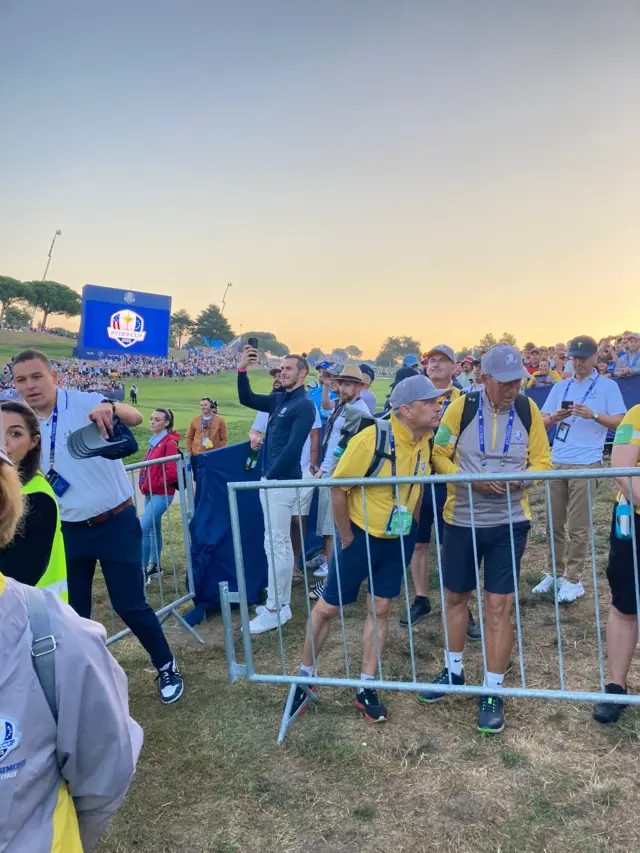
(507, 435)
(54, 430)
(209, 424)
(588, 391)
(392, 447)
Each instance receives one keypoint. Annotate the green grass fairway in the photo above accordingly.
(55, 347)
(183, 398)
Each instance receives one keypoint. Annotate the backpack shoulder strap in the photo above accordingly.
(43, 646)
(382, 447)
(471, 404)
(523, 410)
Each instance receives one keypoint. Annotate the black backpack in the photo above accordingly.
(472, 402)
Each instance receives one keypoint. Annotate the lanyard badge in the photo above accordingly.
(400, 520)
(562, 433)
(55, 480)
(507, 435)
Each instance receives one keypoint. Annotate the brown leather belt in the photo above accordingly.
(105, 516)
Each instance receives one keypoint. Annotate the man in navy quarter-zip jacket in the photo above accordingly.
(291, 417)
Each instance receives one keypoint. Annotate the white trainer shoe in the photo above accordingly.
(569, 592)
(267, 621)
(546, 585)
(316, 561)
(322, 571)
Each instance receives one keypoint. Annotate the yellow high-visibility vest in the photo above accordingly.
(55, 577)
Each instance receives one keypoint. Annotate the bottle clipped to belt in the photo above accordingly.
(252, 459)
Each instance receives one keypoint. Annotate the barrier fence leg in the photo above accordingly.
(286, 718)
(227, 629)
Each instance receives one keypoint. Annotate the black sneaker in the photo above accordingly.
(300, 702)
(441, 678)
(608, 712)
(372, 708)
(473, 629)
(420, 608)
(490, 714)
(171, 684)
(153, 570)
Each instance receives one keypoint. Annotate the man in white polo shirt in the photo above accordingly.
(583, 408)
(98, 515)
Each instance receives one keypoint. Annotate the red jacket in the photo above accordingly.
(152, 479)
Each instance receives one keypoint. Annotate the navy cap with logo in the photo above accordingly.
(504, 363)
(88, 442)
(582, 347)
(367, 370)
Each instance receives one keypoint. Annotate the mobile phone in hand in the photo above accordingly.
(566, 404)
(252, 342)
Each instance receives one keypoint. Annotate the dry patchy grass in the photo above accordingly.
(211, 777)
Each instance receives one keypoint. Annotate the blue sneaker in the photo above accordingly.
(442, 677)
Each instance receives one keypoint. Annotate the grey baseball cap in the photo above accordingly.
(504, 363)
(441, 348)
(411, 389)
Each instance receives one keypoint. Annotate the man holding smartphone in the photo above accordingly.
(291, 418)
(582, 408)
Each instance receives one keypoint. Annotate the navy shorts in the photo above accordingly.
(493, 547)
(386, 567)
(620, 569)
(428, 515)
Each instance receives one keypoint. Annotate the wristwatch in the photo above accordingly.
(595, 416)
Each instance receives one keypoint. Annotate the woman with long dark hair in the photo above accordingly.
(36, 555)
(158, 484)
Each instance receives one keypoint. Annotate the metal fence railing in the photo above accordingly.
(590, 686)
(166, 541)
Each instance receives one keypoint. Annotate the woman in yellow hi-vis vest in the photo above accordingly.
(36, 555)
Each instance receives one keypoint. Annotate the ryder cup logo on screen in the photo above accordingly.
(126, 327)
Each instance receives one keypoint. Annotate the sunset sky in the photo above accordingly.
(357, 168)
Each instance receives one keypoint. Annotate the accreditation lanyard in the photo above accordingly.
(54, 430)
(587, 392)
(209, 424)
(507, 435)
(392, 447)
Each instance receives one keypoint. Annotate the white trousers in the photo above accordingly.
(277, 542)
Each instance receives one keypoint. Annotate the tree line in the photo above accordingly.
(50, 297)
(394, 349)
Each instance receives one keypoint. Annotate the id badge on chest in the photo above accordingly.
(208, 444)
(563, 432)
(57, 483)
(399, 522)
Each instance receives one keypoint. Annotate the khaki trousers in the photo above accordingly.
(570, 511)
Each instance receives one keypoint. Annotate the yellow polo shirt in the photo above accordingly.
(380, 500)
(628, 432)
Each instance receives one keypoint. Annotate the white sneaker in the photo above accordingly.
(267, 621)
(322, 571)
(316, 561)
(569, 592)
(546, 585)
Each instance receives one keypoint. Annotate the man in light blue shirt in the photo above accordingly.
(582, 408)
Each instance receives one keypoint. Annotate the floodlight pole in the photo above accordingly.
(224, 297)
(46, 269)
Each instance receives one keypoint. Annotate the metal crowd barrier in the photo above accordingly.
(174, 588)
(525, 690)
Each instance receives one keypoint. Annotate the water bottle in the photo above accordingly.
(252, 459)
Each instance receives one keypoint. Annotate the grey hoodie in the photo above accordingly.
(59, 786)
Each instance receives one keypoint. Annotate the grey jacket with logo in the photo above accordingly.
(93, 750)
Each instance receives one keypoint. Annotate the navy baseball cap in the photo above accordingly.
(324, 365)
(368, 371)
(582, 347)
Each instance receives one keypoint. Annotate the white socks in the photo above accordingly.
(453, 662)
(308, 671)
(493, 680)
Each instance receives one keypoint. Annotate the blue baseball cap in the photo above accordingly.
(324, 365)
(410, 360)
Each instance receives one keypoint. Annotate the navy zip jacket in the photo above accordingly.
(292, 415)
